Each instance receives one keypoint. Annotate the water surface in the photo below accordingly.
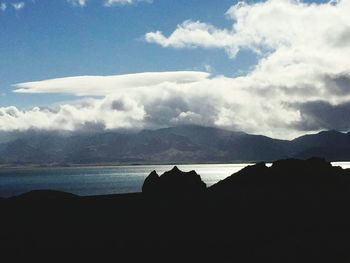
(103, 180)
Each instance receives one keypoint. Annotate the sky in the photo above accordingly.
(280, 68)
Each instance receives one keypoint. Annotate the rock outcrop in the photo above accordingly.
(291, 180)
(174, 182)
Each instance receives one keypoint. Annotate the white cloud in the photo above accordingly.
(3, 6)
(152, 100)
(192, 34)
(303, 71)
(294, 39)
(118, 2)
(18, 5)
(208, 68)
(72, 117)
(300, 47)
(104, 85)
(110, 3)
(263, 26)
(81, 3)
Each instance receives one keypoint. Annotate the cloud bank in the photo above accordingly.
(153, 100)
(300, 84)
(302, 50)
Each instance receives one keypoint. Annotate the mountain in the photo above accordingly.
(182, 144)
(332, 145)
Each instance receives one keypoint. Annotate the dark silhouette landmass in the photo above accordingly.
(294, 211)
(174, 182)
(182, 144)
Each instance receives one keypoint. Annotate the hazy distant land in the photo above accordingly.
(182, 144)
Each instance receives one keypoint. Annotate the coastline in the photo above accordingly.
(112, 165)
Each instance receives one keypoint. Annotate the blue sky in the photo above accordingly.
(50, 39)
(276, 67)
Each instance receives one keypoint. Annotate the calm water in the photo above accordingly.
(103, 180)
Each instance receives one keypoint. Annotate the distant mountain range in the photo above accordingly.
(183, 144)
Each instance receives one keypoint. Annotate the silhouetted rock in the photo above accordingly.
(150, 184)
(174, 182)
(293, 176)
(294, 211)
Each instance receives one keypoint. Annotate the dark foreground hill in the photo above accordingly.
(183, 144)
(294, 211)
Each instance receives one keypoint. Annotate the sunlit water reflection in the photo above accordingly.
(104, 180)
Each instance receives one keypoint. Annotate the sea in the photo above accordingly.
(103, 180)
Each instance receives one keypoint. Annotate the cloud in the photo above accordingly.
(321, 115)
(296, 43)
(264, 27)
(192, 34)
(104, 85)
(153, 100)
(300, 84)
(208, 68)
(81, 3)
(110, 3)
(302, 51)
(71, 117)
(18, 5)
(3, 6)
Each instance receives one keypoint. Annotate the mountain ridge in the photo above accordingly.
(180, 144)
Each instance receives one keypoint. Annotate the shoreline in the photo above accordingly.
(115, 165)
(112, 165)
